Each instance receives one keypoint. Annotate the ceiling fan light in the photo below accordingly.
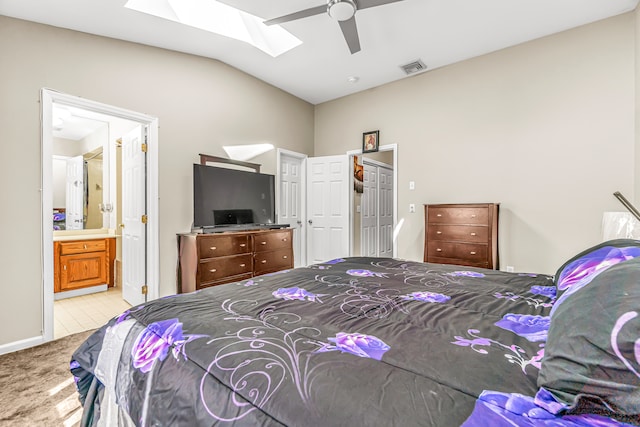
(341, 10)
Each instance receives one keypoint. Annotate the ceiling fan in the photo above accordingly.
(343, 11)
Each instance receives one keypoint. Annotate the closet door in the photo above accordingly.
(369, 215)
(385, 212)
(377, 211)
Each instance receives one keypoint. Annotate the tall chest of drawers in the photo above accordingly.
(213, 259)
(462, 234)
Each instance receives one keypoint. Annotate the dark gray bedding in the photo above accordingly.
(356, 341)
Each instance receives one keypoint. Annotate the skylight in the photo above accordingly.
(219, 18)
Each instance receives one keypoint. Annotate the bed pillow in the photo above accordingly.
(582, 268)
(592, 354)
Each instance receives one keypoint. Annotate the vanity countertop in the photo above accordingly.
(68, 237)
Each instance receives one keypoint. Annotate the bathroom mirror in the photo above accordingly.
(79, 171)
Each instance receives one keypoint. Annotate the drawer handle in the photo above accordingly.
(438, 250)
(213, 270)
(439, 215)
(284, 240)
(284, 256)
(85, 246)
(263, 243)
(242, 265)
(264, 261)
(473, 216)
(473, 234)
(213, 248)
(242, 245)
(438, 232)
(472, 252)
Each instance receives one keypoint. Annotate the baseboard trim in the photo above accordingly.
(79, 292)
(21, 345)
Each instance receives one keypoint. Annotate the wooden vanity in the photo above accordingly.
(83, 262)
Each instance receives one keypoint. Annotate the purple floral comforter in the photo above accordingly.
(356, 341)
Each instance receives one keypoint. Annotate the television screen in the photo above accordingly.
(227, 197)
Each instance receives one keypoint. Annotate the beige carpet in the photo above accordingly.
(36, 387)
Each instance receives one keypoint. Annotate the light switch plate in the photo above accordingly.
(412, 207)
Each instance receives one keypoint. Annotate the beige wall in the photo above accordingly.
(636, 177)
(545, 128)
(201, 104)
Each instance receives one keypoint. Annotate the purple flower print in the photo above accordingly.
(357, 344)
(547, 291)
(127, 314)
(249, 282)
(296, 293)
(532, 327)
(335, 261)
(586, 267)
(364, 273)
(497, 409)
(466, 274)
(582, 271)
(154, 342)
(426, 297)
(546, 400)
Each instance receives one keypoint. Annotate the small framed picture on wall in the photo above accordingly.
(370, 141)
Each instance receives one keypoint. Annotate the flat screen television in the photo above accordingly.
(224, 197)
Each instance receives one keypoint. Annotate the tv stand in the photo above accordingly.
(213, 258)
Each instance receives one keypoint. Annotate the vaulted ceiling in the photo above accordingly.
(322, 68)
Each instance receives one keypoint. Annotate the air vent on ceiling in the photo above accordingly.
(413, 67)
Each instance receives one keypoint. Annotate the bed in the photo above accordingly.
(378, 342)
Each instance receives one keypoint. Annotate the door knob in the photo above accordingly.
(122, 225)
(299, 222)
(310, 222)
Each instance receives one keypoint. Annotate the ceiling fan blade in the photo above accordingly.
(365, 4)
(298, 15)
(350, 32)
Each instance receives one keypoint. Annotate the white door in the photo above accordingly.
(385, 212)
(369, 212)
(74, 194)
(134, 206)
(291, 195)
(327, 208)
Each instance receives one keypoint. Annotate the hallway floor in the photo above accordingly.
(72, 315)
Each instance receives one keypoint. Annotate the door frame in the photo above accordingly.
(303, 196)
(47, 98)
(387, 147)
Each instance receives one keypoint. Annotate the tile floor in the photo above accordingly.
(72, 315)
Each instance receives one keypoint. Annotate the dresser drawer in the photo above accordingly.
(273, 261)
(460, 262)
(463, 251)
(272, 241)
(70, 248)
(460, 215)
(224, 245)
(218, 268)
(459, 233)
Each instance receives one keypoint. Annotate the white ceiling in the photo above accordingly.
(437, 32)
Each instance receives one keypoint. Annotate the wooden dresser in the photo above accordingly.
(463, 234)
(83, 263)
(213, 259)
